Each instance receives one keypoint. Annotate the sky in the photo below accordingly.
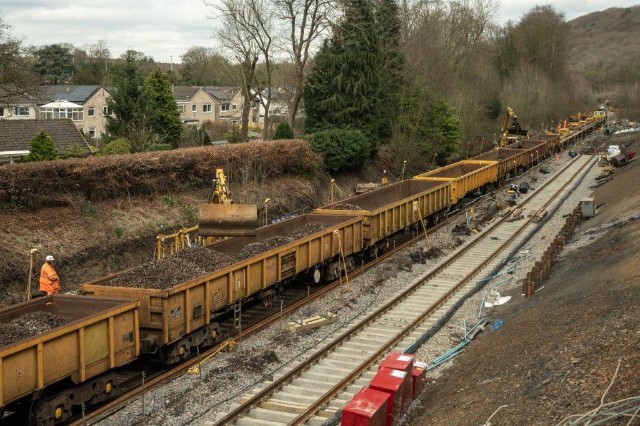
(166, 29)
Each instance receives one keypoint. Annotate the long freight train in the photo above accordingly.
(126, 314)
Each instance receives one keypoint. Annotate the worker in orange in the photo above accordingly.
(49, 281)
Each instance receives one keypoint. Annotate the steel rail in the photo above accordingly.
(288, 377)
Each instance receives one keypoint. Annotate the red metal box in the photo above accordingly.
(399, 361)
(395, 383)
(367, 408)
(418, 375)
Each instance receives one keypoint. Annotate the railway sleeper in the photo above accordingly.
(183, 347)
(51, 410)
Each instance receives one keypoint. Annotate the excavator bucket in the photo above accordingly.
(227, 220)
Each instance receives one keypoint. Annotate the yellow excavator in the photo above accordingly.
(515, 131)
(220, 217)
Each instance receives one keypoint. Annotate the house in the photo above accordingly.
(196, 106)
(16, 136)
(17, 106)
(211, 103)
(91, 119)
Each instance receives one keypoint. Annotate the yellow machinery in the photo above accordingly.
(505, 126)
(513, 133)
(167, 244)
(221, 218)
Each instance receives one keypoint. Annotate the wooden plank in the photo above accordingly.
(312, 322)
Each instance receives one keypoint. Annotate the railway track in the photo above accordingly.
(315, 390)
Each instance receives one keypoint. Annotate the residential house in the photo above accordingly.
(231, 102)
(196, 105)
(16, 106)
(91, 99)
(16, 137)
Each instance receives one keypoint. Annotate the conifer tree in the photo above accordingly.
(42, 148)
(161, 109)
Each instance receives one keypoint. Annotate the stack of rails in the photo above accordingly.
(84, 340)
(177, 319)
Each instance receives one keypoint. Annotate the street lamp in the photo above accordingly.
(266, 211)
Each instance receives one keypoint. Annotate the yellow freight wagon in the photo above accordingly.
(465, 176)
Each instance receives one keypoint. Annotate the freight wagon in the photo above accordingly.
(393, 208)
(538, 148)
(510, 161)
(177, 319)
(96, 335)
(466, 176)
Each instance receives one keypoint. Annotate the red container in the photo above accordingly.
(367, 408)
(418, 374)
(399, 361)
(397, 384)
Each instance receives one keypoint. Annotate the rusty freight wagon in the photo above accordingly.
(465, 176)
(510, 161)
(538, 148)
(393, 208)
(64, 339)
(178, 318)
(552, 141)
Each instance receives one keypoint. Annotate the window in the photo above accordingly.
(92, 132)
(194, 108)
(91, 112)
(182, 108)
(77, 114)
(21, 111)
(234, 106)
(256, 105)
(1, 112)
(106, 110)
(224, 107)
(206, 108)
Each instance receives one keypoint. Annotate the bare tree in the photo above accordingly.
(247, 33)
(16, 77)
(306, 21)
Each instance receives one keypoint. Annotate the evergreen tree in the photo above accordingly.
(388, 25)
(54, 63)
(283, 131)
(127, 120)
(344, 86)
(161, 109)
(42, 148)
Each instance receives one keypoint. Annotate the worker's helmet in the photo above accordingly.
(49, 258)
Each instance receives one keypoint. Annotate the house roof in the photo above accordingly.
(221, 93)
(16, 135)
(71, 93)
(185, 93)
(61, 104)
(11, 95)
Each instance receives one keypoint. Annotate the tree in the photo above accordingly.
(54, 63)
(426, 128)
(203, 66)
(306, 21)
(161, 109)
(91, 64)
(343, 89)
(342, 149)
(388, 25)
(283, 131)
(248, 33)
(42, 148)
(16, 76)
(128, 120)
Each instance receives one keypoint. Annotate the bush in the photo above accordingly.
(158, 147)
(283, 131)
(42, 148)
(76, 151)
(194, 136)
(343, 149)
(118, 146)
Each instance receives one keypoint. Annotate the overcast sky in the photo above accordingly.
(167, 28)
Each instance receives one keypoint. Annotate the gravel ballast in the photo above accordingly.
(29, 325)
